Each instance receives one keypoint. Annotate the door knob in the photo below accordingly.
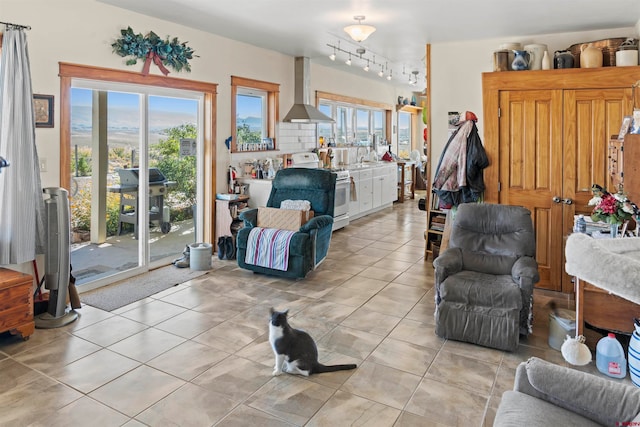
(556, 199)
(567, 201)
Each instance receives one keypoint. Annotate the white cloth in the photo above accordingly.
(22, 212)
(296, 205)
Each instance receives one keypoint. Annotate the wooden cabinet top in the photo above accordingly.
(9, 278)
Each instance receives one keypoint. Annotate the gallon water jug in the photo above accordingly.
(610, 358)
(634, 354)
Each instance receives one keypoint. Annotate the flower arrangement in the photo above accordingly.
(163, 53)
(611, 208)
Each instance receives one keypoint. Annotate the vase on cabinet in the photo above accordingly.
(546, 61)
(590, 56)
(521, 60)
(613, 230)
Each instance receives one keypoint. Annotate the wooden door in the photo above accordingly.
(531, 170)
(591, 117)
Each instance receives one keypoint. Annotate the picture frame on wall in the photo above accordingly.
(43, 110)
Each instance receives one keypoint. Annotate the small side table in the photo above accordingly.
(16, 303)
(406, 185)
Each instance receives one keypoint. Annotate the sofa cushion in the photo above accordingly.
(601, 399)
(519, 409)
(482, 290)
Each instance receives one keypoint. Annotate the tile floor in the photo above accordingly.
(198, 353)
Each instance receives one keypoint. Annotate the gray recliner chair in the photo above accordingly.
(484, 279)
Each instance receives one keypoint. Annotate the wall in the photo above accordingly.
(81, 31)
(456, 75)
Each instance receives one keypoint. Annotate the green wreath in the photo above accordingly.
(163, 53)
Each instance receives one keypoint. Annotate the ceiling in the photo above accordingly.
(404, 27)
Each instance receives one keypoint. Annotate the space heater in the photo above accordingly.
(57, 263)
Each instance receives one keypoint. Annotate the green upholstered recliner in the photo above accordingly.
(484, 279)
(310, 245)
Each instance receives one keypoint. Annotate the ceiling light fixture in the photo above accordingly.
(359, 32)
(348, 61)
(389, 76)
(381, 72)
(366, 67)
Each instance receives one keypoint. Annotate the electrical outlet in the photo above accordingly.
(43, 164)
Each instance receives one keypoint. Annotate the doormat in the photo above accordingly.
(119, 294)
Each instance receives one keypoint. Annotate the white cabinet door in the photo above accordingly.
(378, 186)
(390, 185)
(354, 205)
(365, 189)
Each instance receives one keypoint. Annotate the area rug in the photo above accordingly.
(119, 294)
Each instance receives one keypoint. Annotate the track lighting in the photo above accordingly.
(348, 61)
(332, 56)
(381, 72)
(366, 67)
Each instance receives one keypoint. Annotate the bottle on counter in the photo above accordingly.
(580, 225)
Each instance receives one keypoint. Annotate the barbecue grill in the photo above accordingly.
(128, 189)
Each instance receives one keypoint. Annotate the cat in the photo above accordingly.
(295, 350)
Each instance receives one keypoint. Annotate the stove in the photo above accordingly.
(343, 186)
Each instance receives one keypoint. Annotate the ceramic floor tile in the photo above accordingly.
(14, 374)
(84, 411)
(422, 334)
(364, 283)
(290, 398)
(205, 408)
(243, 416)
(367, 320)
(382, 384)
(110, 331)
(463, 372)
(350, 342)
(326, 311)
(30, 402)
(147, 344)
(349, 296)
(477, 352)
(230, 336)
(154, 312)
(188, 324)
(87, 315)
(447, 404)
(64, 350)
(136, 390)
(235, 378)
(14, 344)
(95, 370)
(194, 359)
(407, 419)
(188, 297)
(222, 308)
(404, 356)
(380, 273)
(347, 409)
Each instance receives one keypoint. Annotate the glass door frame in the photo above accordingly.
(69, 72)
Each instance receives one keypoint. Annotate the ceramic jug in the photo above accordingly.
(536, 51)
(521, 60)
(590, 56)
(562, 59)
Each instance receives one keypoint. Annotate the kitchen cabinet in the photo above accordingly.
(375, 188)
(546, 134)
(365, 190)
(16, 303)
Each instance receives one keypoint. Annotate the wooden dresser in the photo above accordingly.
(16, 303)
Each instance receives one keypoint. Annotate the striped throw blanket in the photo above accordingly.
(269, 247)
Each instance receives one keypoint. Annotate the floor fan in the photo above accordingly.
(57, 262)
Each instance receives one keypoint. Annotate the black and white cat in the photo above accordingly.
(295, 350)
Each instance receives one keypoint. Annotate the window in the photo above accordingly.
(355, 120)
(404, 134)
(254, 108)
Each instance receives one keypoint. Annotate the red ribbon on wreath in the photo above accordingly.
(153, 57)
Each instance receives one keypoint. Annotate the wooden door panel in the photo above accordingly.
(531, 169)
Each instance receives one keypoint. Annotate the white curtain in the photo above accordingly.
(22, 210)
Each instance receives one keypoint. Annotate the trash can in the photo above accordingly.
(200, 256)
(562, 322)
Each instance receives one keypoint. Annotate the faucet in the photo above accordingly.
(358, 154)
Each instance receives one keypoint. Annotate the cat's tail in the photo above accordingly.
(320, 368)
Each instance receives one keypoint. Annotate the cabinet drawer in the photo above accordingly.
(15, 296)
(16, 316)
(365, 174)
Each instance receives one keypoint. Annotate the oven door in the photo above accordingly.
(343, 191)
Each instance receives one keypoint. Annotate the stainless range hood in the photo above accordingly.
(302, 111)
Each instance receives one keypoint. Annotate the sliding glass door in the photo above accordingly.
(135, 164)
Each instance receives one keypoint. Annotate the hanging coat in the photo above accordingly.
(459, 175)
